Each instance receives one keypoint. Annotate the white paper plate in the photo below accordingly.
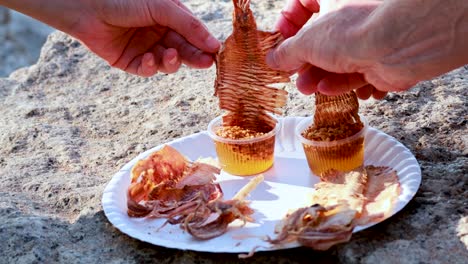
(288, 185)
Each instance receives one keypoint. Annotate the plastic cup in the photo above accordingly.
(243, 157)
(341, 155)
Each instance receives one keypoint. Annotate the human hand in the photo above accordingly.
(145, 36)
(139, 36)
(327, 70)
(372, 46)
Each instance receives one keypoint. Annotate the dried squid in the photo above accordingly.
(243, 78)
(341, 201)
(216, 216)
(167, 185)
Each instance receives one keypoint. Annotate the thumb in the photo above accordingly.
(176, 16)
(287, 56)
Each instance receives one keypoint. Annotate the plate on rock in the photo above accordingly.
(287, 185)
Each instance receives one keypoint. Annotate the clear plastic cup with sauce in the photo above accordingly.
(343, 154)
(245, 156)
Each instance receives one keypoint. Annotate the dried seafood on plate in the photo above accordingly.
(336, 187)
(167, 185)
(243, 78)
(371, 191)
(213, 218)
(341, 202)
(316, 226)
(382, 191)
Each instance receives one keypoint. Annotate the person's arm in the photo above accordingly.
(62, 15)
(67, 16)
(139, 36)
(413, 40)
(393, 44)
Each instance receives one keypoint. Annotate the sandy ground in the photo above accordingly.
(69, 122)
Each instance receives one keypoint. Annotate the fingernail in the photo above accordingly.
(270, 60)
(212, 43)
(149, 61)
(324, 86)
(173, 61)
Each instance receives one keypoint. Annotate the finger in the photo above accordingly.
(166, 60)
(311, 5)
(168, 13)
(147, 67)
(170, 61)
(379, 95)
(147, 64)
(287, 56)
(294, 15)
(308, 78)
(190, 55)
(335, 84)
(365, 92)
(136, 45)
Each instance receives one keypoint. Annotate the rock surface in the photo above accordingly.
(21, 39)
(68, 123)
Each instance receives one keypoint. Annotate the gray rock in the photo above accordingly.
(21, 39)
(70, 122)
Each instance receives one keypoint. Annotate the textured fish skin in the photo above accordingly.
(243, 78)
(331, 111)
